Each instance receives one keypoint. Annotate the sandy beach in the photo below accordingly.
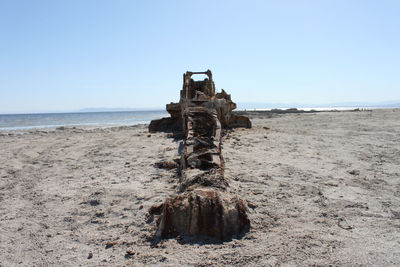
(322, 189)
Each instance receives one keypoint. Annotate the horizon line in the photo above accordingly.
(245, 105)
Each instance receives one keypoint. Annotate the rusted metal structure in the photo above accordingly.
(200, 93)
(205, 204)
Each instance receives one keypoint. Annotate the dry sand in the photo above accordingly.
(322, 188)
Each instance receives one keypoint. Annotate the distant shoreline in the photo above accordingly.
(100, 119)
(83, 112)
(23, 122)
(304, 108)
(315, 109)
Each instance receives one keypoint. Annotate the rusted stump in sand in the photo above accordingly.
(205, 205)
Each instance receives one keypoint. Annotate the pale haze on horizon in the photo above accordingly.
(69, 55)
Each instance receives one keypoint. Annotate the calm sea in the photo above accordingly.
(52, 120)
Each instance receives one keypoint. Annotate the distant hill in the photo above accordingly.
(118, 109)
(259, 105)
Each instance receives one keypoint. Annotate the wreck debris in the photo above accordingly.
(206, 204)
(200, 93)
(166, 165)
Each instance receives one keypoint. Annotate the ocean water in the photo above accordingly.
(52, 120)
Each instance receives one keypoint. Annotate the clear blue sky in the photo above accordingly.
(66, 55)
